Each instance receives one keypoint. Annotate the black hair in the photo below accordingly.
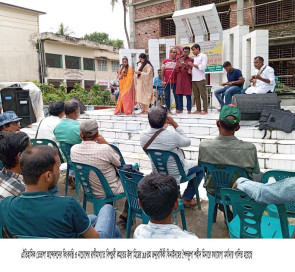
(186, 48)
(226, 64)
(36, 160)
(146, 61)
(196, 46)
(159, 70)
(228, 126)
(157, 194)
(11, 144)
(157, 116)
(260, 58)
(56, 108)
(71, 106)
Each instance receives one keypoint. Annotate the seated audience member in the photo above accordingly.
(172, 140)
(158, 197)
(52, 217)
(12, 144)
(264, 80)
(270, 193)
(157, 85)
(67, 130)
(48, 124)
(226, 149)
(96, 151)
(9, 121)
(233, 85)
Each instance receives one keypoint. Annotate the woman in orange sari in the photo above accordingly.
(126, 100)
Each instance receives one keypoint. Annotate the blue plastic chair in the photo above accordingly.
(82, 176)
(250, 222)
(66, 150)
(221, 176)
(50, 143)
(279, 175)
(160, 159)
(130, 181)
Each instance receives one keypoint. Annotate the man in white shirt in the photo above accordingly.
(48, 124)
(158, 197)
(198, 79)
(264, 80)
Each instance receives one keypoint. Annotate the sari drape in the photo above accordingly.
(126, 101)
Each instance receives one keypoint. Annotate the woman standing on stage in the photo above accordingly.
(126, 99)
(144, 83)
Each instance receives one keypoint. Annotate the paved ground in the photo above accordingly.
(196, 220)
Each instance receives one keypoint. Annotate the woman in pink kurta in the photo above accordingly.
(184, 81)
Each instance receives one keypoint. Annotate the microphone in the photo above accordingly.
(137, 62)
(179, 57)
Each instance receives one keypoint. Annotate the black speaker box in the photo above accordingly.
(18, 100)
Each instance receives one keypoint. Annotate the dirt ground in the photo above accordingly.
(196, 220)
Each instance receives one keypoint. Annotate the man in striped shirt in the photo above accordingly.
(12, 144)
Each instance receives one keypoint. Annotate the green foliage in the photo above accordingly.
(282, 88)
(94, 97)
(103, 38)
(64, 30)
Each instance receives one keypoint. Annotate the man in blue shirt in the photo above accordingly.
(234, 84)
(36, 213)
(158, 86)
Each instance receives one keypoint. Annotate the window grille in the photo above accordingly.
(53, 60)
(168, 27)
(73, 62)
(115, 66)
(102, 65)
(88, 64)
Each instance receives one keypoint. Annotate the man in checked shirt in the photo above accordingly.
(12, 144)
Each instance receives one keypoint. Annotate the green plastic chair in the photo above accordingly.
(119, 152)
(160, 159)
(50, 143)
(66, 150)
(82, 176)
(221, 177)
(130, 182)
(250, 222)
(279, 175)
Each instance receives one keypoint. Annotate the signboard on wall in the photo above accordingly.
(213, 50)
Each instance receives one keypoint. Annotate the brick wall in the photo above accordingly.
(279, 29)
(153, 10)
(145, 30)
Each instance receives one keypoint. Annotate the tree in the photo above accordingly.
(64, 30)
(103, 38)
(124, 3)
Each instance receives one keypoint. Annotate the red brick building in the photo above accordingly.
(152, 19)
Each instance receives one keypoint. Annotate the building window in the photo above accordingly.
(88, 84)
(102, 65)
(282, 60)
(53, 60)
(276, 11)
(168, 27)
(115, 66)
(88, 64)
(73, 62)
(223, 11)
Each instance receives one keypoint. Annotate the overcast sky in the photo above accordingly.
(80, 16)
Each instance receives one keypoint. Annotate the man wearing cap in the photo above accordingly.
(96, 151)
(9, 121)
(226, 149)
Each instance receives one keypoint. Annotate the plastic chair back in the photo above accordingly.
(279, 175)
(66, 150)
(119, 152)
(160, 160)
(130, 181)
(50, 143)
(250, 214)
(82, 175)
(222, 175)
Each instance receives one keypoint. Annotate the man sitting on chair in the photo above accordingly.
(172, 140)
(36, 213)
(264, 80)
(12, 144)
(96, 151)
(9, 121)
(226, 149)
(158, 197)
(233, 85)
